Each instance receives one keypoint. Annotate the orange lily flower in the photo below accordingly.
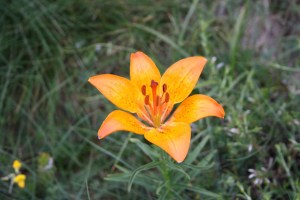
(151, 97)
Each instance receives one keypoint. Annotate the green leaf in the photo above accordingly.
(154, 155)
(163, 37)
(178, 168)
(193, 155)
(200, 191)
(140, 169)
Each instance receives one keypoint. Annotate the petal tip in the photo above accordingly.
(222, 112)
(179, 160)
(103, 132)
(92, 79)
(137, 54)
(201, 59)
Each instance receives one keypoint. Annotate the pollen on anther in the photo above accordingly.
(167, 98)
(147, 101)
(144, 90)
(164, 87)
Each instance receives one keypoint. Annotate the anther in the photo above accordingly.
(144, 90)
(164, 87)
(147, 102)
(167, 98)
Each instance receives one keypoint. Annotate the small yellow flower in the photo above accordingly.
(20, 180)
(16, 177)
(17, 165)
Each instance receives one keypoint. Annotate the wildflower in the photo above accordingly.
(17, 165)
(250, 147)
(20, 180)
(151, 97)
(234, 130)
(259, 176)
(45, 162)
(16, 177)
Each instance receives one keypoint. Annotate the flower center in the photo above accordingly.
(157, 107)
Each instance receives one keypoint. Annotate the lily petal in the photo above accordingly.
(121, 121)
(120, 91)
(174, 138)
(196, 107)
(143, 70)
(182, 77)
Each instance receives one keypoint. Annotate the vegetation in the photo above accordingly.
(49, 49)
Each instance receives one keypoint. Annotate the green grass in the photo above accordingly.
(48, 49)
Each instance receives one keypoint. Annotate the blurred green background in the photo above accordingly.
(48, 49)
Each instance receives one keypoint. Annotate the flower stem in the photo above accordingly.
(167, 176)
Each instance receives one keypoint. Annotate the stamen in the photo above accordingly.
(147, 102)
(167, 98)
(164, 87)
(156, 111)
(144, 90)
(145, 116)
(166, 112)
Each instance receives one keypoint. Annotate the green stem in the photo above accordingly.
(167, 176)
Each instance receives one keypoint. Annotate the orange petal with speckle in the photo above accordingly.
(174, 138)
(120, 91)
(121, 121)
(197, 107)
(143, 70)
(182, 77)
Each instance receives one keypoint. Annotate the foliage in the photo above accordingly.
(50, 48)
